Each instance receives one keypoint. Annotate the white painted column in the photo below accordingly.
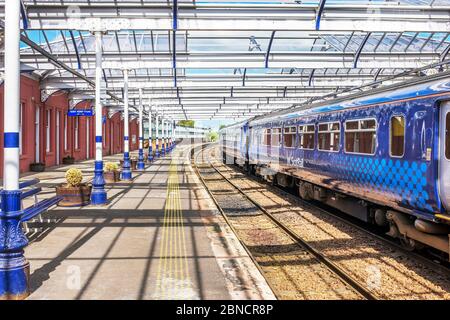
(98, 96)
(125, 113)
(157, 132)
(141, 164)
(98, 196)
(126, 169)
(12, 96)
(163, 136)
(14, 268)
(167, 134)
(150, 137)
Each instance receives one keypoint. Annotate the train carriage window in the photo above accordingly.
(329, 136)
(360, 136)
(266, 137)
(397, 136)
(289, 137)
(447, 136)
(306, 134)
(276, 137)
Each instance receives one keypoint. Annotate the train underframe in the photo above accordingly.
(412, 232)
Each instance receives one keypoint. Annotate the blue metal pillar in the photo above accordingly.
(141, 164)
(126, 168)
(14, 268)
(98, 195)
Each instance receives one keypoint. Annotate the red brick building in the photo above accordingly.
(48, 134)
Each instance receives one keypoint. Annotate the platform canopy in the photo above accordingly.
(232, 59)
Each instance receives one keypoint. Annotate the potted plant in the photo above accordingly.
(68, 160)
(74, 192)
(133, 163)
(37, 167)
(112, 173)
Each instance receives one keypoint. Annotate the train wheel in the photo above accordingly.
(407, 243)
(305, 191)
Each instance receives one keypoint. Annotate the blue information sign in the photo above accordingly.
(80, 113)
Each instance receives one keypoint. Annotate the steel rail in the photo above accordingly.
(348, 279)
(443, 270)
(194, 157)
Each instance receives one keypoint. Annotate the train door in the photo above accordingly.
(444, 157)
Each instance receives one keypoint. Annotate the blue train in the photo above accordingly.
(382, 156)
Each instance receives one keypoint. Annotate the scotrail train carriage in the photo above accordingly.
(382, 156)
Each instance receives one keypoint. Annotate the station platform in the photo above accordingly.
(159, 237)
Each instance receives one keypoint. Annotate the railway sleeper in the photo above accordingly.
(412, 233)
(285, 181)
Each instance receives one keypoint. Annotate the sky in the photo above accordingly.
(213, 124)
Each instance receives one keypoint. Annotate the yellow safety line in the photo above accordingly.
(173, 245)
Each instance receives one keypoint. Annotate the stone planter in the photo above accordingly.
(74, 196)
(133, 164)
(111, 176)
(37, 167)
(68, 160)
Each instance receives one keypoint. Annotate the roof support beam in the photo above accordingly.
(174, 41)
(319, 13)
(174, 57)
(360, 49)
(311, 77)
(144, 15)
(269, 47)
(76, 49)
(445, 53)
(232, 60)
(58, 63)
(23, 13)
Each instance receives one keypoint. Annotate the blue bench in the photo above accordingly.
(38, 207)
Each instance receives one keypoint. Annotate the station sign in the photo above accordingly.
(80, 113)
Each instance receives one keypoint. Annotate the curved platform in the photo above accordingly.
(159, 237)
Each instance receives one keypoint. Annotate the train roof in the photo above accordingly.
(439, 83)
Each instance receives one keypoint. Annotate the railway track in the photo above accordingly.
(402, 274)
(293, 268)
(440, 265)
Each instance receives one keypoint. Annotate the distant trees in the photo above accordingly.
(222, 126)
(213, 136)
(186, 123)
